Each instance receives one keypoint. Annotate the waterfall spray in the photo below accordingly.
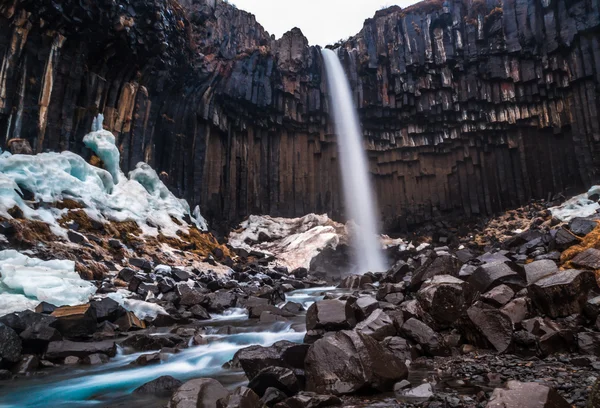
(358, 193)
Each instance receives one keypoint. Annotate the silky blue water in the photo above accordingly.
(358, 193)
(114, 381)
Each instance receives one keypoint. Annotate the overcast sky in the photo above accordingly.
(322, 21)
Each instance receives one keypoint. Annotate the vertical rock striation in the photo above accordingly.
(467, 106)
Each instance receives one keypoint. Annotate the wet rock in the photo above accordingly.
(378, 325)
(161, 387)
(148, 359)
(281, 378)
(437, 265)
(281, 354)
(498, 296)
(10, 345)
(58, 350)
(242, 397)
(424, 335)
(75, 321)
(364, 306)
(28, 365)
(493, 274)
(129, 321)
(330, 315)
(198, 393)
(200, 313)
(348, 361)
(147, 342)
(526, 395)
(355, 281)
(562, 294)
(272, 396)
(416, 395)
(445, 298)
(590, 259)
(293, 308)
(95, 359)
(589, 343)
(311, 400)
(486, 325)
(582, 226)
(256, 311)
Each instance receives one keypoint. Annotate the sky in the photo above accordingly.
(323, 22)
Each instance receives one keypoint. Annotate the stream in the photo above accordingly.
(111, 384)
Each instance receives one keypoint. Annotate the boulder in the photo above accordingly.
(255, 312)
(565, 239)
(161, 387)
(220, 300)
(349, 361)
(37, 336)
(198, 393)
(498, 296)
(539, 269)
(445, 298)
(129, 321)
(396, 273)
(200, 313)
(517, 309)
(281, 378)
(436, 265)
(485, 325)
(582, 226)
(355, 281)
(281, 354)
(188, 296)
(588, 259)
(589, 343)
(526, 395)
(106, 309)
(493, 274)
(10, 345)
(399, 347)
(364, 306)
(272, 396)
(416, 395)
(424, 335)
(330, 315)
(391, 293)
(58, 350)
(75, 321)
(562, 294)
(23, 320)
(242, 397)
(378, 325)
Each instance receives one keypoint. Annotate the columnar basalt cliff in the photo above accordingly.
(467, 106)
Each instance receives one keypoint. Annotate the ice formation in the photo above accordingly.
(578, 206)
(25, 282)
(139, 308)
(292, 241)
(107, 195)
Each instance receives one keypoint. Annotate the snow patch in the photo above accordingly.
(578, 206)
(139, 308)
(25, 282)
(294, 242)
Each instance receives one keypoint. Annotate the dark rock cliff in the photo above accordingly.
(467, 106)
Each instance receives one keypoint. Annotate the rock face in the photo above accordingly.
(465, 106)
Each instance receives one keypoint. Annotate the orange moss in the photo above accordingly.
(591, 240)
(80, 217)
(197, 242)
(95, 161)
(33, 232)
(68, 204)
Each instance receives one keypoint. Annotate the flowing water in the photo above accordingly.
(358, 193)
(111, 385)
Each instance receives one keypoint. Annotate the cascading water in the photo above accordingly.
(358, 193)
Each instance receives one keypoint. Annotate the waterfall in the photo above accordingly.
(358, 193)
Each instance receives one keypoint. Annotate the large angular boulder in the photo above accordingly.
(589, 259)
(436, 265)
(589, 343)
(582, 226)
(198, 393)
(330, 315)
(378, 325)
(161, 387)
(490, 275)
(76, 321)
(498, 296)
(283, 379)
(539, 269)
(396, 273)
(350, 361)
(148, 342)
(485, 325)
(445, 298)
(10, 345)
(562, 294)
(391, 293)
(355, 281)
(242, 397)
(424, 335)
(526, 395)
(281, 354)
(364, 306)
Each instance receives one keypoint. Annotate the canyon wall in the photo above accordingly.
(467, 106)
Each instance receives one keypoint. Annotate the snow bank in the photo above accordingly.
(578, 206)
(292, 241)
(139, 308)
(108, 195)
(25, 282)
